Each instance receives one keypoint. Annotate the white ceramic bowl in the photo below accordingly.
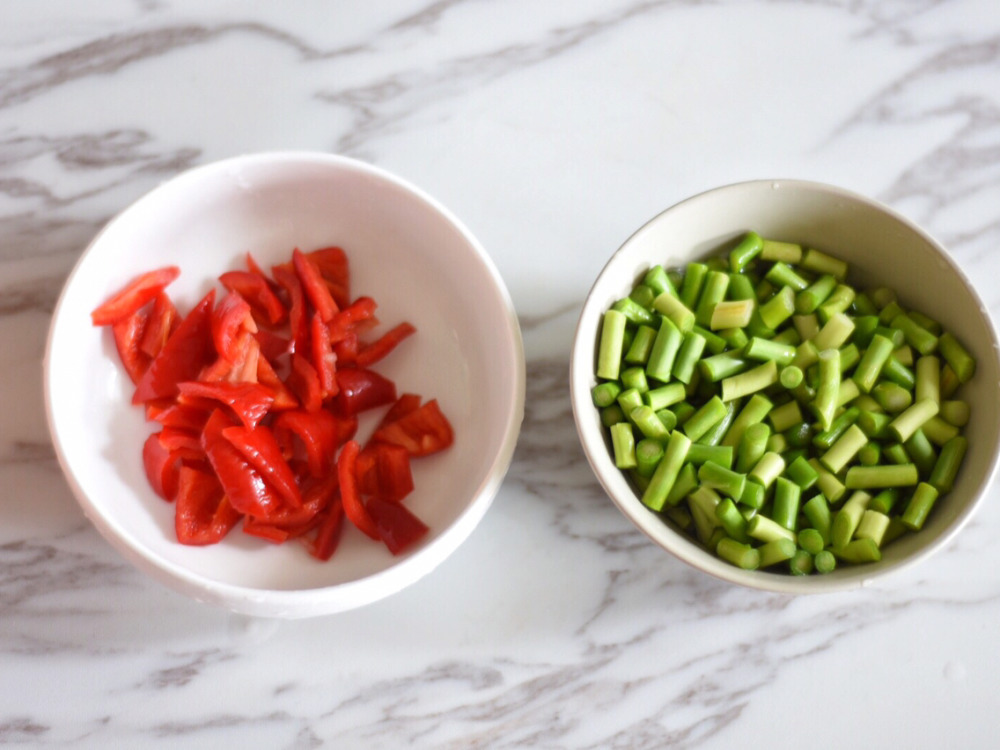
(408, 252)
(883, 248)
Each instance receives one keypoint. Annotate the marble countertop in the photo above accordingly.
(554, 129)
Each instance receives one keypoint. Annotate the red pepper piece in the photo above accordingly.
(351, 317)
(249, 401)
(128, 334)
(186, 416)
(405, 404)
(423, 431)
(313, 286)
(328, 535)
(346, 350)
(259, 447)
(255, 289)
(349, 495)
(163, 321)
(204, 514)
(243, 484)
(267, 377)
(360, 390)
(254, 267)
(323, 358)
(185, 444)
(378, 349)
(134, 296)
(319, 432)
(272, 345)
(384, 470)
(396, 525)
(298, 320)
(231, 317)
(335, 270)
(304, 382)
(242, 368)
(161, 467)
(181, 358)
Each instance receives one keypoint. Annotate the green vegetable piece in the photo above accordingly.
(623, 443)
(609, 353)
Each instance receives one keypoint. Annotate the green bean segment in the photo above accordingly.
(786, 419)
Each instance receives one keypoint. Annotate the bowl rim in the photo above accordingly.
(688, 551)
(321, 600)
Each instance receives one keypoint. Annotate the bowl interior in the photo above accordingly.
(883, 249)
(406, 252)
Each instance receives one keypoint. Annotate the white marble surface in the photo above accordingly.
(554, 129)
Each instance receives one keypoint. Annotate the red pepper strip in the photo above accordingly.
(181, 358)
(318, 431)
(348, 319)
(242, 368)
(128, 334)
(377, 350)
(231, 317)
(405, 404)
(183, 416)
(328, 535)
(134, 296)
(304, 382)
(333, 267)
(259, 447)
(204, 514)
(184, 443)
(243, 484)
(314, 287)
(421, 432)
(254, 267)
(163, 321)
(298, 321)
(353, 507)
(272, 345)
(396, 525)
(323, 358)
(249, 401)
(161, 467)
(346, 350)
(255, 289)
(360, 390)
(266, 531)
(384, 470)
(267, 377)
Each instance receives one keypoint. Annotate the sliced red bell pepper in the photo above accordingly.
(204, 514)
(378, 349)
(245, 487)
(335, 270)
(384, 470)
(346, 350)
(255, 289)
(396, 525)
(267, 377)
(423, 431)
(360, 390)
(186, 416)
(319, 432)
(405, 404)
(328, 534)
(304, 382)
(134, 296)
(128, 334)
(182, 357)
(347, 475)
(183, 443)
(315, 289)
(241, 367)
(298, 320)
(259, 447)
(161, 467)
(161, 324)
(323, 359)
(272, 345)
(231, 317)
(351, 317)
(249, 401)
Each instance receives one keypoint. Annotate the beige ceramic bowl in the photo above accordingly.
(883, 248)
